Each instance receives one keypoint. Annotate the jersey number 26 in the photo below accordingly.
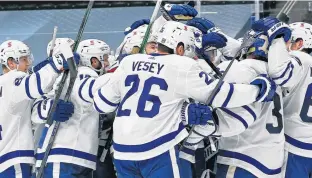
(134, 81)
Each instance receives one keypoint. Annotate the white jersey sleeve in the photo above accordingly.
(231, 48)
(285, 70)
(198, 85)
(34, 85)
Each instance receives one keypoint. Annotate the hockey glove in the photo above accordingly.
(267, 88)
(64, 110)
(59, 61)
(210, 41)
(135, 25)
(197, 114)
(204, 25)
(181, 11)
(273, 28)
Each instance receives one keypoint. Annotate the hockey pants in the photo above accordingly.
(17, 171)
(226, 171)
(66, 170)
(165, 165)
(298, 166)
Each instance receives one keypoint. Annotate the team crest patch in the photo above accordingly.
(18, 81)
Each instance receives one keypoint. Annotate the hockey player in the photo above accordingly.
(149, 90)
(255, 147)
(74, 151)
(297, 100)
(17, 90)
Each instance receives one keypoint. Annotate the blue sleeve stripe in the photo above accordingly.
(250, 160)
(39, 111)
(105, 100)
(39, 83)
(80, 90)
(90, 88)
(216, 94)
(27, 88)
(283, 74)
(34, 105)
(290, 74)
(226, 102)
(188, 151)
(235, 116)
(98, 109)
(251, 112)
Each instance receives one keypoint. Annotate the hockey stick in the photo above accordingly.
(73, 74)
(249, 40)
(149, 27)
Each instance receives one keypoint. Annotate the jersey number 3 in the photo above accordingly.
(134, 81)
(276, 112)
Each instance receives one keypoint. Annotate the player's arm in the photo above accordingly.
(198, 85)
(37, 84)
(106, 92)
(284, 69)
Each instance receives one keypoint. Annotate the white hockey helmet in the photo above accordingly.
(14, 49)
(172, 33)
(58, 42)
(302, 30)
(90, 48)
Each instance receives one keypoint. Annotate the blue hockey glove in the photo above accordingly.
(135, 25)
(64, 110)
(181, 11)
(267, 88)
(197, 114)
(204, 25)
(209, 41)
(273, 28)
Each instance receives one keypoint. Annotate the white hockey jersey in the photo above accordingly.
(258, 147)
(17, 91)
(77, 139)
(297, 110)
(149, 92)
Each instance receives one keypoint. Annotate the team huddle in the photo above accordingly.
(256, 102)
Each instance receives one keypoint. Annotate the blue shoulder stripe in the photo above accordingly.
(251, 112)
(283, 74)
(90, 88)
(226, 102)
(106, 100)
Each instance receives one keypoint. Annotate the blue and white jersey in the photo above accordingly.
(77, 139)
(252, 135)
(297, 107)
(149, 92)
(17, 91)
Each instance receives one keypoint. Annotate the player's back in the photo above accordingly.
(259, 149)
(148, 118)
(298, 116)
(78, 135)
(16, 142)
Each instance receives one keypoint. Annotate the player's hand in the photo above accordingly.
(267, 88)
(135, 25)
(203, 24)
(181, 11)
(59, 61)
(198, 114)
(64, 110)
(209, 41)
(273, 28)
